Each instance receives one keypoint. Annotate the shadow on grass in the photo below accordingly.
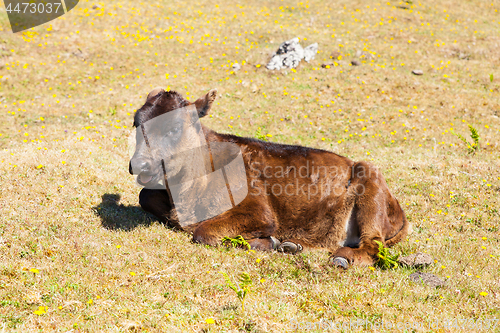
(115, 216)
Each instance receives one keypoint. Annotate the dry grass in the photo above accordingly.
(97, 263)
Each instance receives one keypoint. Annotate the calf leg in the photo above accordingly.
(370, 215)
(157, 202)
(252, 227)
(250, 220)
(363, 256)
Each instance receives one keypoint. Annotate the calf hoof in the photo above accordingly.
(340, 262)
(289, 247)
(275, 243)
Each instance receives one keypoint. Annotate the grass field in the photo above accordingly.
(78, 254)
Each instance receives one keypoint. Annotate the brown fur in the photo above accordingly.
(357, 208)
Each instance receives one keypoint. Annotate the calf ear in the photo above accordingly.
(154, 92)
(203, 104)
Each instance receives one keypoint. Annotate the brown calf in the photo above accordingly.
(298, 197)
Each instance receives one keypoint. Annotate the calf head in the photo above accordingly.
(167, 130)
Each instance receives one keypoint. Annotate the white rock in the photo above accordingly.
(310, 52)
(290, 53)
(275, 62)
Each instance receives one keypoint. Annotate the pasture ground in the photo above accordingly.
(78, 254)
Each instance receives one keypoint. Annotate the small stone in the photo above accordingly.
(96, 7)
(328, 65)
(356, 63)
(416, 260)
(427, 278)
(463, 56)
(236, 67)
(417, 72)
